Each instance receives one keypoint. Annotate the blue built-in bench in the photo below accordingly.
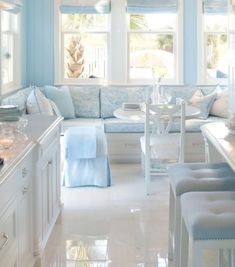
(94, 105)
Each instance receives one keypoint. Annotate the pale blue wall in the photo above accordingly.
(23, 46)
(190, 42)
(40, 42)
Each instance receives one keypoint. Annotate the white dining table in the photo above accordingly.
(139, 115)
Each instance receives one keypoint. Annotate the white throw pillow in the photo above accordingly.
(221, 105)
(37, 103)
(203, 102)
(55, 108)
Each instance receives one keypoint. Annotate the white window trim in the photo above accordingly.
(202, 50)
(59, 54)
(118, 66)
(16, 83)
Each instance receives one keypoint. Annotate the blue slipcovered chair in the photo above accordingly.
(85, 157)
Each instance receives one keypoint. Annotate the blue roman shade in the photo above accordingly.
(152, 6)
(13, 6)
(85, 6)
(215, 6)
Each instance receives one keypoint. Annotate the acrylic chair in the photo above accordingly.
(161, 144)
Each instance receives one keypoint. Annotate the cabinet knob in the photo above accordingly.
(5, 238)
(24, 172)
(50, 162)
(25, 190)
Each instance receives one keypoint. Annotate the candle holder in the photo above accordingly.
(6, 137)
(12, 132)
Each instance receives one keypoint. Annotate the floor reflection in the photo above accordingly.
(85, 250)
(117, 227)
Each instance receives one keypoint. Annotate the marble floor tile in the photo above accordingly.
(113, 227)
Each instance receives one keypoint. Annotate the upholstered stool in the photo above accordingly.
(188, 177)
(208, 218)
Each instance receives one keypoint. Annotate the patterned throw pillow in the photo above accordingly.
(221, 104)
(203, 102)
(37, 103)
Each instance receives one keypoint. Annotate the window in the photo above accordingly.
(84, 46)
(152, 46)
(215, 39)
(10, 47)
(83, 40)
(122, 44)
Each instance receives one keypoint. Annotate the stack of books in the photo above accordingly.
(9, 113)
(131, 106)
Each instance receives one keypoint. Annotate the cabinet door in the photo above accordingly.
(25, 226)
(9, 235)
(25, 202)
(45, 196)
(50, 177)
(56, 180)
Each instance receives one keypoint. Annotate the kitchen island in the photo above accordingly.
(30, 191)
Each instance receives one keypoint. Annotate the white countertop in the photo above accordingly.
(36, 130)
(39, 126)
(218, 134)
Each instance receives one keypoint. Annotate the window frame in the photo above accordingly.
(202, 50)
(118, 75)
(59, 52)
(16, 82)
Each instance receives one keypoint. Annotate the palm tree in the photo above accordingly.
(75, 50)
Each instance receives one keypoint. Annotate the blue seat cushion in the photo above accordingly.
(190, 177)
(209, 215)
(193, 125)
(114, 125)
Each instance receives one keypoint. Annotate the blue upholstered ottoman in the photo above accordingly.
(208, 218)
(189, 177)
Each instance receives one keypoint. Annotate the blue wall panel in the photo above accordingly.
(40, 42)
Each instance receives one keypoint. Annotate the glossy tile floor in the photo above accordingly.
(113, 227)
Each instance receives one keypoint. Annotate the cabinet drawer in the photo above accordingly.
(8, 228)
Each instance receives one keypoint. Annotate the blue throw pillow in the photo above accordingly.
(63, 100)
(203, 102)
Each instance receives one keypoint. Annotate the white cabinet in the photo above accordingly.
(25, 199)
(9, 235)
(47, 187)
(50, 177)
(30, 194)
(16, 247)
